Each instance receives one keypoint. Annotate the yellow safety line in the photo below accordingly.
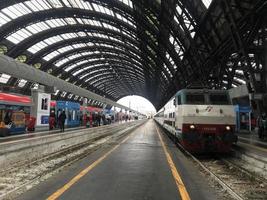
(178, 180)
(60, 191)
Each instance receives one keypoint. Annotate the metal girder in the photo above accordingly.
(57, 13)
(38, 56)
(84, 75)
(21, 47)
(204, 42)
(40, 16)
(100, 56)
(20, 70)
(30, 41)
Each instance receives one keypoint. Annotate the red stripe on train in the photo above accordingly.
(14, 98)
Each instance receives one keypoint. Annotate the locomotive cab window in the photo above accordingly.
(198, 99)
(219, 99)
(179, 100)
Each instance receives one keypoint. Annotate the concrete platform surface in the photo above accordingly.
(139, 167)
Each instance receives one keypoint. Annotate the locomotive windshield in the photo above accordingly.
(219, 99)
(197, 99)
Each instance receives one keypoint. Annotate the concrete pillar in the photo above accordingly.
(85, 101)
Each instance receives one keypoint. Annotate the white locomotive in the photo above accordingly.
(202, 120)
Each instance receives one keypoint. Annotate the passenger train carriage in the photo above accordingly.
(202, 120)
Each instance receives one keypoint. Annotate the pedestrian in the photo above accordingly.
(98, 119)
(61, 119)
(91, 119)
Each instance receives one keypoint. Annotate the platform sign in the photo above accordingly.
(44, 119)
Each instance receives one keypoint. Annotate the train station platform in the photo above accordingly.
(252, 138)
(252, 153)
(145, 165)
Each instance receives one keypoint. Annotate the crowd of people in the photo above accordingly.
(93, 119)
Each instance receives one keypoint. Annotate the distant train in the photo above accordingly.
(15, 114)
(202, 120)
(76, 114)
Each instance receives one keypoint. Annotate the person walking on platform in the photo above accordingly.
(61, 120)
(98, 119)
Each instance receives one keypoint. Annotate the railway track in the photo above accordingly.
(226, 173)
(238, 182)
(22, 176)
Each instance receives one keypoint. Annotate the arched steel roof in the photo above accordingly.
(124, 47)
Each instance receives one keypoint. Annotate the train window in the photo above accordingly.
(198, 99)
(219, 99)
(179, 102)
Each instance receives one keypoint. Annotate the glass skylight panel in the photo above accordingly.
(81, 77)
(102, 9)
(67, 3)
(120, 17)
(70, 96)
(57, 91)
(18, 36)
(4, 19)
(127, 2)
(81, 62)
(35, 86)
(69, 35)
(63, 94)
(22, 83)
(38, 27)
(77, 72)
(108, 26)
(53, 39)
(207, 3)
(70, 68)
(87, 5)
(74, 56)
(61, 62)
(4, 78)
(37, 47)
(70, 20)
(81, 34)
(76, 97)
(64, 49)
(12, 12)
(239, 71)
(80, 45)
(56, 23)
(51, 55)
(239, 80)
(38, 5)
(14, 39)
(55, 3)
(88, 53)
(91, 22)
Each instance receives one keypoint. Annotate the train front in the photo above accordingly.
(207, 123)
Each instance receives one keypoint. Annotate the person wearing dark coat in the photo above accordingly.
(61, 119)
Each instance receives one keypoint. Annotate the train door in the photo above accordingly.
(178, 112)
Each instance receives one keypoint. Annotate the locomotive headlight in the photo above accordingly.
(192, 126)
(228, 128)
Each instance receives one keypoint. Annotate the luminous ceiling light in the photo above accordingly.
(4, 78)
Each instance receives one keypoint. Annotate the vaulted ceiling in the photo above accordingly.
(116, 48)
